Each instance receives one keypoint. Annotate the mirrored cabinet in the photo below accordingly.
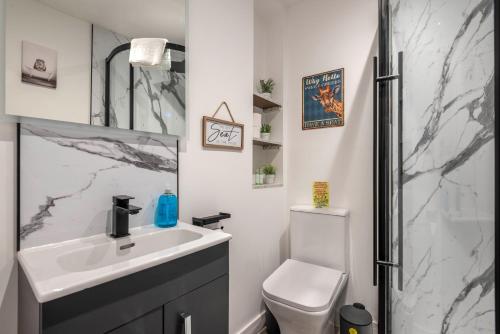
(67, 61)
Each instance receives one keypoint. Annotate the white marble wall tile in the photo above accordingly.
(449, 166)
(69, 175)
(160, 101)
(103, 42)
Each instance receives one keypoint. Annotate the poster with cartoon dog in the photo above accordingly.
(323, 100)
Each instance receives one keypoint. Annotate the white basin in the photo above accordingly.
(104, 253)
(57, 270)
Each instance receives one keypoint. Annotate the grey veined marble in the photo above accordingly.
(159, 95)
(70, 173)
(448, 166)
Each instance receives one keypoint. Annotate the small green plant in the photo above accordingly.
(265, 128)
(269, 170)
(267, 86)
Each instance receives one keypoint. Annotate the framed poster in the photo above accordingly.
(323, 100)
(38, 65)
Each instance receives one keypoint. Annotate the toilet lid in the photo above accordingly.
(305, 286)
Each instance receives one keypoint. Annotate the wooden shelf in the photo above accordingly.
(266, 143)
(264, 186)
(264, 102)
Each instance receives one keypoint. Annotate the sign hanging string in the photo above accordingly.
(227, 108)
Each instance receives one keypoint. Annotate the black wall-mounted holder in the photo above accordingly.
(211, 219)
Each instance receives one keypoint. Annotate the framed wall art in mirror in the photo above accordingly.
(39, 65)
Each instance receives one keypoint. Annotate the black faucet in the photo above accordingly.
(121, 210)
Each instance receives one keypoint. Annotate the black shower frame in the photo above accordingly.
(382, 244)
(381, 209)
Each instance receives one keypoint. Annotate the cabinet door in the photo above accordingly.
(202, 311)
(150, 323)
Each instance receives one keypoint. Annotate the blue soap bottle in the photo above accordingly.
(166, 211)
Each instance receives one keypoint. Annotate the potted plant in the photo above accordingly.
(269, 174)
(265, 131)
(266, 87)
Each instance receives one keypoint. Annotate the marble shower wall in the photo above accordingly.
(448, 166)
(159, 95)
(103, 42)
(69, 174)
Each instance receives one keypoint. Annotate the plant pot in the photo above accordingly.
(267, 95)
(270, 179)
(265, 135)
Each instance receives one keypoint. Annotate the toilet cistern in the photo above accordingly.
(302, 293)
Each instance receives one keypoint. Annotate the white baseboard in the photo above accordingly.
(258, 325)
(255, 326)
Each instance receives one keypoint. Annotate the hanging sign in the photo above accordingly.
(218, 133)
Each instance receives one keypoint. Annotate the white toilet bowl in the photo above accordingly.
(302, 296)
(303, 291)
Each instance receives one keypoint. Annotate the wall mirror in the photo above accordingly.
(69, 60)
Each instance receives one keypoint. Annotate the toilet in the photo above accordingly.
(302, 293)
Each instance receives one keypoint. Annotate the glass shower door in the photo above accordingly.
(440, 153)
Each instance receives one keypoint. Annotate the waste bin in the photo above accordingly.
(354, 319)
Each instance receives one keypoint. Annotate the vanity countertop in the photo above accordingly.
(59, 269)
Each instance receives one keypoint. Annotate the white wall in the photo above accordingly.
(261, 66)
(35, 22)
(268, 63)
(220, 51)
(8, 264)
(324, 35)
(269, 23)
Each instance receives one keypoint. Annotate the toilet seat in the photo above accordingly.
(304, 286)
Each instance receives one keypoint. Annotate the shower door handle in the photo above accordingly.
(376, 207)
(400, 171)
(375, 169)
(387, 264)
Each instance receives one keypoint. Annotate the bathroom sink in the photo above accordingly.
(59, 269)
(104, 253)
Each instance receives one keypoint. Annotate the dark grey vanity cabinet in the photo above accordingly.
(192, 290)
(202, 306)
(150, 323)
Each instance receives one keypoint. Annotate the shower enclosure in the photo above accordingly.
(142, 98)
(177, 67)
(434, 167)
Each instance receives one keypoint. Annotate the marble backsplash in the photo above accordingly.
(69, 174)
